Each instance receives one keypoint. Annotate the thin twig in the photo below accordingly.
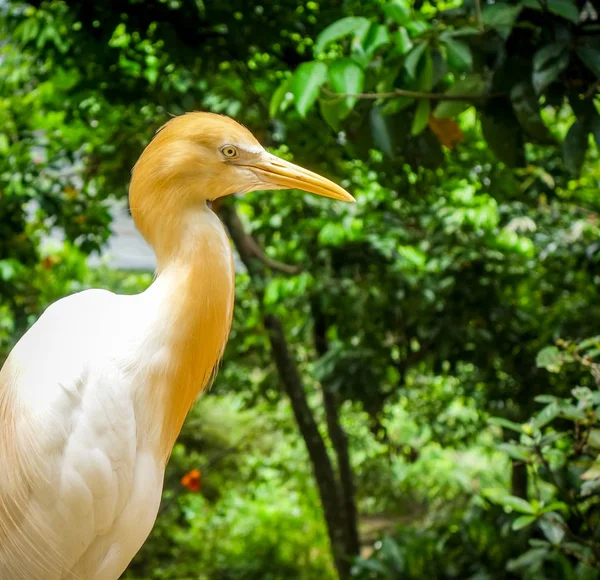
(479, 18)
(270, 262)
(412, 94)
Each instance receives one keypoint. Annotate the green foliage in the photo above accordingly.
(439, 295)
(560, 444)
(233, 528)
(434, 48)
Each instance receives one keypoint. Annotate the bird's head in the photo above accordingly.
(199, 157)
(205, 156)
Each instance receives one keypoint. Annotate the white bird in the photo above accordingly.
(94, 395)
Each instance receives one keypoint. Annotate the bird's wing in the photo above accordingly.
(67, 441)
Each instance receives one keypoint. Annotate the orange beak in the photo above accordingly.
(281, 174)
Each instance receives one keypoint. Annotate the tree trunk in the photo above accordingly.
(339, 440)
(292, 383)
(322, 467)
(518, 476)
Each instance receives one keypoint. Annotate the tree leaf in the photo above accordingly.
(575, 146)
(4, 143)
(564, 8)
(572, 412)
(278, 97)
(333, 110)
(340, 28)
(332, 234)
(545, 398)
(447, 131)
(528, 560)
(527, 110)
(501, 17)
(306, 84)
(514, 451)
(548, 63)
(546, 415)
(515, 503)
(590, 57)
(425, 72)
(398, 10)
(554, 506)
(502, 422)
(471, 84)
(503, 132)
(346, 77)
(421, 117)
(552, 529)
(376, 37)
(592, 341)
(549, 358)
(402, 41)
(522, 522)
(8, 269)
(590, 487)
(459, 55)
(414, 56)
(272, 293)
(382, 135)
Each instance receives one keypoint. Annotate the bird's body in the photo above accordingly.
(93, 397)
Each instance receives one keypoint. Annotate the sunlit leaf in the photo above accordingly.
(516, 504)
(502, 422)
(306, 84)
(522, 522)
(549, 358)
(421, 117)
(346, 77)
(278, 97)
(398, 10)
(515, 451)
(402, 41)
(546, 415)
(351, 25)
(376, 37)
(414, 56)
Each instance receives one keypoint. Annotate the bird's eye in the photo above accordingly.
(229, 151)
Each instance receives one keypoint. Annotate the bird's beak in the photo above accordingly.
(281, 174)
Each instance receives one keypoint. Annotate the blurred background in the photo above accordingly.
(426, 402)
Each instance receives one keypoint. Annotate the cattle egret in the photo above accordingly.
(93, 397)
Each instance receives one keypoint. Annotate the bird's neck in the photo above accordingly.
(191, 304)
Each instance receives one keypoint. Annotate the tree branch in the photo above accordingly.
(293, 385)
(338, 437)
(413, 94)
(270, 262)
(251, 247)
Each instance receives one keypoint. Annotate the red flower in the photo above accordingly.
(192, 480)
